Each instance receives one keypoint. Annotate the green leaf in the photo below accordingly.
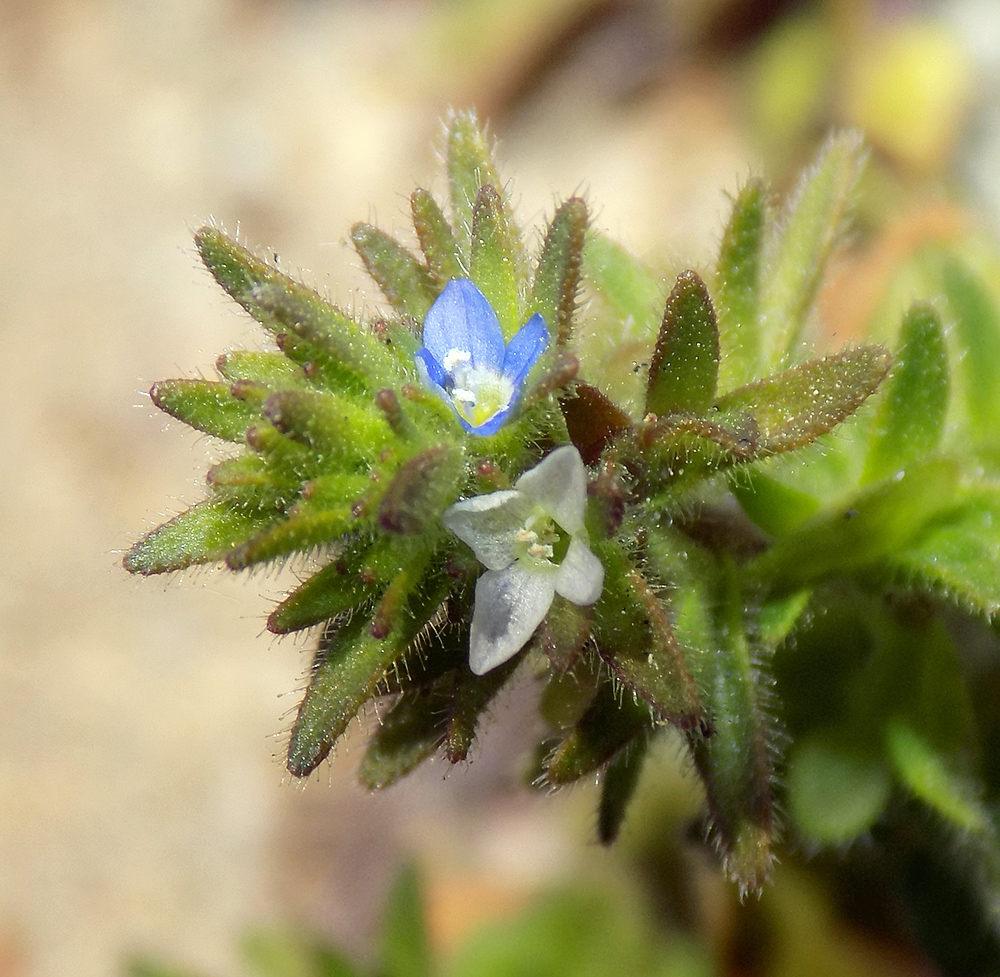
(910, 419)
(811, 228)
(336, 588)
(406, 735)
(733, 757)
(407, 284)
(837, 789)
(469, 698)
(773, 505)
(737, 285)
(441, 251)
(349, 665)
(611, 723)
(423, 487)
(564, 632)
(634, 636)
(957, 555)
(339, 431)
(633, 293)
(205, 533)
(470, 166)
(494, 260)
(304, 528)
(405, 943)
(796, 406)
(283, 305)
(557, 278)
(867, 527)
(617, 789)
(685, 365)
(977, 323)
(206, 405)
(931, 777)
(273, 370)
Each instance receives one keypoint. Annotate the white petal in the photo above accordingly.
(510, 604)
(558, 483)
(581, 574)
(489, 523)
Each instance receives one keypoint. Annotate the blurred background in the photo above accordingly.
(143, 805)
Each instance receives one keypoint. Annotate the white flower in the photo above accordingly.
(532, 540)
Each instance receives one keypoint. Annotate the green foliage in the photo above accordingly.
(791, 542)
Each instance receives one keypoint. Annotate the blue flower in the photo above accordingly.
(465, 361)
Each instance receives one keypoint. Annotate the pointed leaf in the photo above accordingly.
(812, 227)
(557, 278)
(332, 426)
(205, 533)
(441, 251)
(796, 406)
(470, 166)
(911, 417)
(633, 293)
(336, 588)
(205, 405)
(284, 305)
(494, 264)
(635, 638)
(957, 555)
(617, 789)
(872, 525)
(685, 363)
(564, 632)
(347, 671)
(737, 285)
(407, 284)
(407, 735)
(423, 487)
(977, 322)
(610, 724)
(593, 420)
(932, 778)
(469, 698)
(734, 761)
(305, 528)
(273, 370)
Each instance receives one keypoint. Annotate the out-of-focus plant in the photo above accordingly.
(586, 931)
(678, 516)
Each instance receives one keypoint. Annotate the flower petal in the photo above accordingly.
(462, 319)
(580, 578)
(558, 483)
(489, 523)
(431, 372)
(526, 346)
(491, 426)
(510, 604)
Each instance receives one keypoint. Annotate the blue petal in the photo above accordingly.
(431, 371)
(494, 423)
(461, 318)
(525, 348)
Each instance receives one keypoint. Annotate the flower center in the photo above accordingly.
(477, 392)
(540, 540)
